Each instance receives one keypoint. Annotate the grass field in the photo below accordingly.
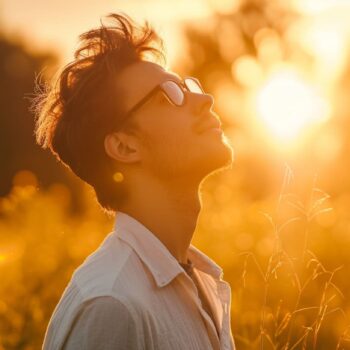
(286, 260)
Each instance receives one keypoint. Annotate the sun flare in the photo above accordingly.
(287, 105)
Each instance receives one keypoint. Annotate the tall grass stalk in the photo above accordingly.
(285, 333)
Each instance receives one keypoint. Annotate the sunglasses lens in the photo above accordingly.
(174, 92)
(194, 86)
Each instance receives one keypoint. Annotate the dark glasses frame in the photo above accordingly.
(183, 85)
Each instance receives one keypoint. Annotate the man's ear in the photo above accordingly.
(122, 147)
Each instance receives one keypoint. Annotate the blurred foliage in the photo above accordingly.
(19, 70)
(41, 243)
(280, 232)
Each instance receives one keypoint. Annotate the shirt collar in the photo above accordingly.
(161, 263)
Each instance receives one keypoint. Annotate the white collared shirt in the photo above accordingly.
(133, 286)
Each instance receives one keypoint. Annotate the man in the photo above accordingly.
(144, 139)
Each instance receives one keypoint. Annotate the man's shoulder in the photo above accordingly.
(113, 269)
(106, 307)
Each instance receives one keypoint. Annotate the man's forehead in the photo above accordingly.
(145, 72)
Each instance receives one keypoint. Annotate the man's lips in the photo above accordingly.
(210, 123)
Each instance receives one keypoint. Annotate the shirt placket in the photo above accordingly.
(224, 294)
(210, 327)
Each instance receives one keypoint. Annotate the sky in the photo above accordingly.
(56, 24)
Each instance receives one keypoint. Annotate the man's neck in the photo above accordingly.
(169, 211)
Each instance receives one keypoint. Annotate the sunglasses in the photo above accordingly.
(174, 92)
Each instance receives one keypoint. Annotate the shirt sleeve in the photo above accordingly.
(103, 323)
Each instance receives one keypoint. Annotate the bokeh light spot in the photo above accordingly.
(2, 257)
(25, 178)
(118, 177)
(247, 71)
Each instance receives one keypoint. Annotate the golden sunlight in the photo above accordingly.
(287, 105)
(2, 257)
(325, 40)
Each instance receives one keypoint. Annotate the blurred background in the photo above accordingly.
(278, 222)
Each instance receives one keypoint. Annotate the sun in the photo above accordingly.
(287, 105)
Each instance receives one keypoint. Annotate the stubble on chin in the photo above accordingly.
(171, 161)
(223, 160)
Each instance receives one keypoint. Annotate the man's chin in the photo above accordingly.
(222, 161)
(221, 158)
(206, 161)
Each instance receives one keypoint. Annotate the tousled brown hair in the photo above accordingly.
(83, 105)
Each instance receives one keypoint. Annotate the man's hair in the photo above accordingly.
(83, 104)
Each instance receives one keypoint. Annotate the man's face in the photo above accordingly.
(176, 141)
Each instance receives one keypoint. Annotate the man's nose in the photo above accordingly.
(200, 102)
